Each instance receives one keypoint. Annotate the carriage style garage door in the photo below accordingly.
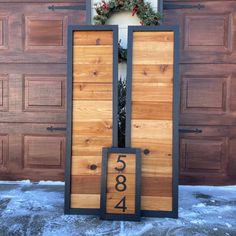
(208, 90)
(33, 87)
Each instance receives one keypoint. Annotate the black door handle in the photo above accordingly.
(198, 131)
(51, 128)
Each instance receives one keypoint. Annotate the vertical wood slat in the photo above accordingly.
(150, 120)
(93, 57)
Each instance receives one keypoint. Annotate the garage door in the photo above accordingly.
(208, 85)
(33, 86)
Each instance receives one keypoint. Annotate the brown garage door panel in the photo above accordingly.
(33, 33)
(30, 151)
(208, 84)
(208, 35)
(33, 44)
(208, 94)
(208, 157)
(33, 93)
(3, 92)
(4, 149)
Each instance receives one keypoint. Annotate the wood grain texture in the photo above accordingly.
(152, 129)
(33, 88)
(129, 160)
(89, 145)
(152, 110)
(151, 117)
(93, 38)
(92, 73)
(129, 182)
(150, 186)
(162, 73)
(114, 198)
(156, 203)
(99, 128)
(156, 167)
(161, 92)
(121, 183)
(90, 110)
(101, 55)
(92, 91)
(85, 184)
(83, 165)
(92, 113)
(85, 201)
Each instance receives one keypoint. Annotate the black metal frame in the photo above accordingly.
(123, 217)
(71, 30)
(175, 29)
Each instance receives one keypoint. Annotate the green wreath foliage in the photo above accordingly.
(143, 10)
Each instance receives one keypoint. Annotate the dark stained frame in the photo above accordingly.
(71, 30)
(127, 217)
(176, 99)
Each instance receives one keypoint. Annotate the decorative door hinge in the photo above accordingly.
(53, 8)
(198, 131)
(51, 128)
(169, 6)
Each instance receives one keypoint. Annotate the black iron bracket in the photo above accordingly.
(198, 131)
(76, 7)
(169, 6)
(51, 128)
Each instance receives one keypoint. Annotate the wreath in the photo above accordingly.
(143, 10)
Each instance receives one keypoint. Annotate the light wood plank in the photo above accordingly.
(92, 91)
(89, 145)
(157, 186)
(85, 184)
(102, 55)
(85, 201)
(82, 165)
(152, 92)
(151, 129)
(130, 163)
(156, 167)
(156, 203)
(101, 128)
(147, 73)
(129, 183)
(90, 110)
(93, 38)
(153, 36)
(92, 73)
(157, 148)
(152, 110)
(114, 198)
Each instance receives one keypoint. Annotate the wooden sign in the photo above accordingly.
(92, 108)
(152, 114)
(121, 184)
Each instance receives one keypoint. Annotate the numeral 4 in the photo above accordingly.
(121, 204)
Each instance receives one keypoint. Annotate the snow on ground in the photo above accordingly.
(32, 209)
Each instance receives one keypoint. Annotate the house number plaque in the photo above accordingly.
(120, 189)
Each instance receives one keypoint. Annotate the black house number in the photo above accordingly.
(120, 183)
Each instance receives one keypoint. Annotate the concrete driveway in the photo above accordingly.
(37, 209)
